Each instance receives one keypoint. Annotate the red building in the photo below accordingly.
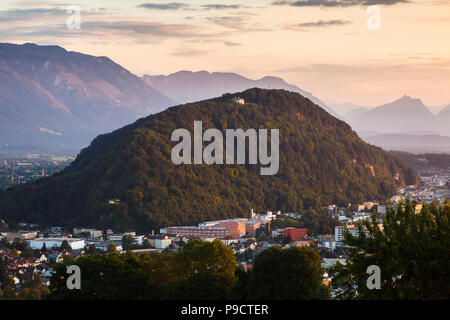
(295, 233)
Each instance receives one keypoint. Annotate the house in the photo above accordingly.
(229, 240)
(302, 243)
(93, 233)
(329, 243)
(152, 239)
(294, 233)
(163, 243)
(55, 256)
(239, 100)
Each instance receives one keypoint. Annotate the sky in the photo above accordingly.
(367, 52)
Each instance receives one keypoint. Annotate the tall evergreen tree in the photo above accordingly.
(411, 250)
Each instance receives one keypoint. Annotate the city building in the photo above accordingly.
(93, 233)
(339, 232)
(162, 242)
(74, 243)
(296, 234)
(220, 229)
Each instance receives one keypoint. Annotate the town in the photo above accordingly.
(30, 252)
(16, 169)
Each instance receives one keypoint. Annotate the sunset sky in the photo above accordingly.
(322, 46)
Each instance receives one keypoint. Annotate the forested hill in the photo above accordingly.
(322, 161)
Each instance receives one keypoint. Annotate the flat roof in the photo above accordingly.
(57, 239)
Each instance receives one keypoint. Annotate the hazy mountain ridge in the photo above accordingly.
(187, 86)
(413, 143)
(401, 116)
(50, 96)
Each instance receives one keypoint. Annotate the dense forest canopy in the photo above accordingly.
(426, 160)
(322, 161)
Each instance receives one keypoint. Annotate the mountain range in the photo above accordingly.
(413, 143)
(402, 116)
(54, 98)
(321, 161)
(50, 96)
(188, 86)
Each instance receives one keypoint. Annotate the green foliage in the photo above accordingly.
(127, 242)
(420, 161)
(65, 246)
(316, 222)
(411, 251)
(201, 270)
(285, 274)
(322, 161)
(92, 250)
(34, 289)
(112, 247)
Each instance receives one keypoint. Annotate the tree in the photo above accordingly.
(127, 242)
(27, 253)
(294, 273)
(112, 247)
(114, 276)
(15, 253)
(202, 270)
(65, 246)
(5, 280)
(287, 240)
(411, 251)
(4, 243)
(34, 289)
(19, 245)
(9, 293)
(92, 250)
(146, 244)
(240, 290)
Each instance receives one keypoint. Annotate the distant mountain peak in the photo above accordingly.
(405, 114)
(406, 98)
(188, 86)
(20, 50)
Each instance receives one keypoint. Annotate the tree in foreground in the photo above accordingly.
(201, 270)
(285, 274)
(65, 246)
(92, 250)
(411, 250)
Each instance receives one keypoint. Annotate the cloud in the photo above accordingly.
(239, 23)
(15, 15)
(322, 24)
(232, 44)
(164, 6)
(144, 28)
(189, 53)
(111, 30)
(231, 22)
(337, 3)
(220, 6)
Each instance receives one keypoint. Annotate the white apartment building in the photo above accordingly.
(74, 243)
(339, 232)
